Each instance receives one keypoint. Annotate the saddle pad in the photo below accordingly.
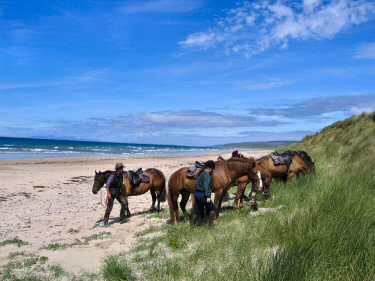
(193, 172)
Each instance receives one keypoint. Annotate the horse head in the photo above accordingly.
(262, 178)
(99, 181)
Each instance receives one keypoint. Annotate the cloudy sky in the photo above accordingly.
(183, 71)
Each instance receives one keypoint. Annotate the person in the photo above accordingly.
(202, 196)
(236, 154)
(113, 186)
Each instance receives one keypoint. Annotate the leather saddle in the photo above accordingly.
(284, 158)
(194, 171)
(137, 177)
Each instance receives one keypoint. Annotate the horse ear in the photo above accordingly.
(96, 172)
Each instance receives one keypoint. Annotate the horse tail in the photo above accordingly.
(163, 193)
(170, 204)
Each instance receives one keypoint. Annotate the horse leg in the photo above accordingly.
(153, 195)
(221, 200)
(176, 213)
(184, 200)
(128, 214)
(242, 195)
(158, 195)
(219, 195)
(240, 190)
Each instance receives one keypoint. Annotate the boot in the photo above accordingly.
(211, 218)
(193, 220)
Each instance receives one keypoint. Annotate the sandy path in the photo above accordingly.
(42, 199)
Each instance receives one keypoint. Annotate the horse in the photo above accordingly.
(307, 159)
(297, 166)
(263, 181)
(261, 184)
(156, 186)
(224, 176)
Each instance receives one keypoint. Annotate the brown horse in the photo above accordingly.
(297, 166)
(261, 183)
(156, 186)
(224, 176)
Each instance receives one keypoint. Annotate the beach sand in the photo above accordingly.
(49, 200)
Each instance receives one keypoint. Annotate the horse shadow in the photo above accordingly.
(113, 220)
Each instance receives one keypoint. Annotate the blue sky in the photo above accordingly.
(183, 72)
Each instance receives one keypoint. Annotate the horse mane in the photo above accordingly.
(261, 159)
(306, 158)
(106, 173)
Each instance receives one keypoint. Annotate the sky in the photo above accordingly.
(186, 72)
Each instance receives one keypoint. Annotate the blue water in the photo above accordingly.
(24, 147)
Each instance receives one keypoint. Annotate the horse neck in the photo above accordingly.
(106, 175)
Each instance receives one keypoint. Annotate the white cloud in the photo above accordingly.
(359, 110)
(180, 119)
(366, 51)
(270, 84)
(253, 27)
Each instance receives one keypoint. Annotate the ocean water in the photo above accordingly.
(24, 147)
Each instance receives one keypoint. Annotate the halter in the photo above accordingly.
(255, 189)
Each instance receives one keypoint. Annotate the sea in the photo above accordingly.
(28, 147)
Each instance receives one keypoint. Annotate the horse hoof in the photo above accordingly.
(254, 207)
(187, 219)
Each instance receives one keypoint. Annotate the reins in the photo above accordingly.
(104, 205)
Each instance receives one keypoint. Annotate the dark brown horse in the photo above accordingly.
(156, 186)
(224, 176)
(297, 166)
(307, 159)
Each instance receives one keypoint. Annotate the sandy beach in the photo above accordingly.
(49, 200)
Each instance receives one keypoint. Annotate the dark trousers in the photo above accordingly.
(121, 200)
(201, 202)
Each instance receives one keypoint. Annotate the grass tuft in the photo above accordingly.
(116, 270)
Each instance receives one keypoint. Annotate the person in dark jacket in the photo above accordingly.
(202, 196)
(113, 186)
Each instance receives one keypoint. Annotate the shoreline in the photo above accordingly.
(90, 157)
(140, 155)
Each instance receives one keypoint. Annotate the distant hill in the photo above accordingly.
(255, 145)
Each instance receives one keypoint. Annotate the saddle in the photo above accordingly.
(137, 177)
(194, 171)
(284, 158)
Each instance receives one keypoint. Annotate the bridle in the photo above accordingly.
(260, 188)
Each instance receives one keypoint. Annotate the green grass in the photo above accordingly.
(115, 269)
(14, 241)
